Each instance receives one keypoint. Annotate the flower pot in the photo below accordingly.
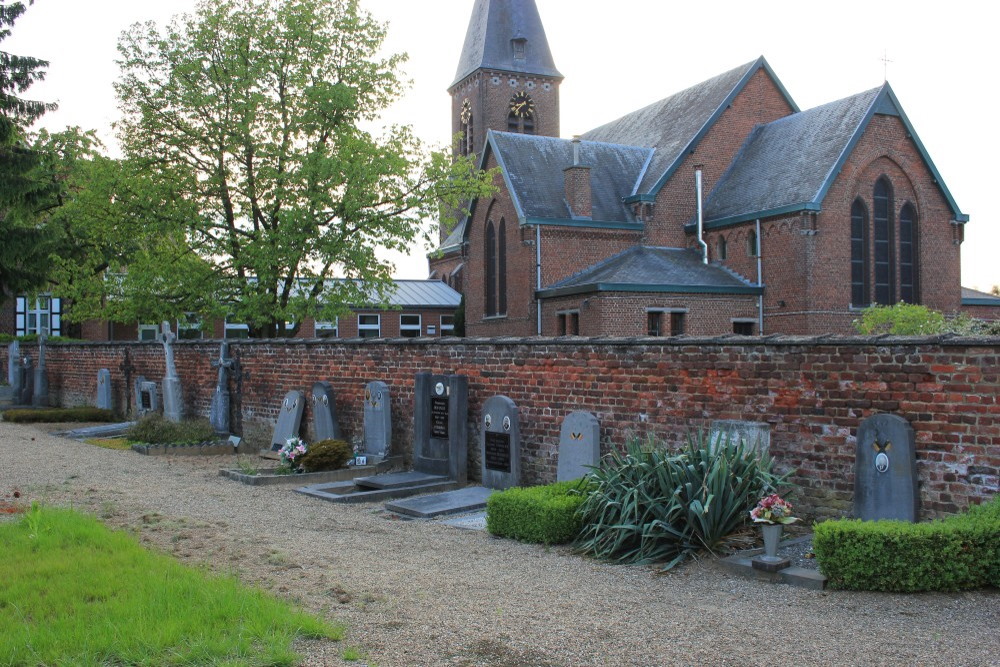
(772, 536)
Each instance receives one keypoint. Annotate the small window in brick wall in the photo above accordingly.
(721, 250)
(369, 326)
(654, 323)
(569, 323)
(409, 326)
(677, 322)
(744, 328)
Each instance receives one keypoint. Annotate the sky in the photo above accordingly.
(621, 56)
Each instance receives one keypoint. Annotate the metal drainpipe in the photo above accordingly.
(760, 282)
(701, 240)
(538, 275)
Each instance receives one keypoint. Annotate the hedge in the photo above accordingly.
(57, 415)
(956, 553)
(543, 514)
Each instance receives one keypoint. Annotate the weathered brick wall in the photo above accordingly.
(812, 391)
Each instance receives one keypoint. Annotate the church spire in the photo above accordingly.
(506, 36)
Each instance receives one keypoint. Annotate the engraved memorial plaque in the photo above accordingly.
(439, 417)
(500, 442)
(496, 451)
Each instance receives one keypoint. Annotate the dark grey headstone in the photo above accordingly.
(26, 383)
(218, 413)
(500, 443)
(885, 472)
(147, 400)
(104, 401)
(756, 435)
(13, 362)
(579, 446)
(40, 393)
(378, 420)
(324, 411)
(173, 403)
(289, 419)
(440, 425)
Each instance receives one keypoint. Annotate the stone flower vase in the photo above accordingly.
(772, 536)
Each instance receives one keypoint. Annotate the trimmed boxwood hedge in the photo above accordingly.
(544, 514)
(57, 415)
(956, 553)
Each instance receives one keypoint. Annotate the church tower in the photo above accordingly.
(506, 77)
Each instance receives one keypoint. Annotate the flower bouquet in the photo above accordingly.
(773, 509)
(291, 454)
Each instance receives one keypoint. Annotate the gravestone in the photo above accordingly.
(325, 426)
(289, 419)
(885, 470)
(173, 406)
(13, 360)
(104, 389)
(579, 446)
(440, 425)
(756, 435)
(500, 443)
(147, 400)
(218, 414)
(377, 421)
(26, 382)
(40, 395)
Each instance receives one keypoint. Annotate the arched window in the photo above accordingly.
(859, 255)
(491, 269)
(752, 243)
(721, 250)
(468, 129)
(908, 254)
(502, 268)
(885, 293)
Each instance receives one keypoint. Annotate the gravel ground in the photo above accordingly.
(422, 593)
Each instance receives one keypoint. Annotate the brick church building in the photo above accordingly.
(805, 217)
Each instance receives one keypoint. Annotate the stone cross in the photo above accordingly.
(173, 405)
(27, 382)
(126, 368)
(168, 338)
(40, 396)
(219, 411)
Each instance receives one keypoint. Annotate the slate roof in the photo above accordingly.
(494, 24)
(410, 294)
(971, 297)
(653, 269)
(674, 125)
(533, 168)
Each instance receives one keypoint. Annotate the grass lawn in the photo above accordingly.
(74, 592)
(110, 443)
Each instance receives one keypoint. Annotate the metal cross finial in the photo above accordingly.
(885, 65)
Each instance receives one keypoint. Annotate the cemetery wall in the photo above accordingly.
(813, 392)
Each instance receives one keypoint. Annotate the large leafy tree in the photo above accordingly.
(247, 128)
(25, 245)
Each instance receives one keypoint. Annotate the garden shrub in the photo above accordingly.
(327, 455)
(950, 554)
(57, 415)
(654, 505)
(155, 429)
(545, 514)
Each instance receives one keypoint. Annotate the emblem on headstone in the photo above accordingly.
(881, 453)
(488, 420)
(439, 388)
(576, 436)
(506, 423)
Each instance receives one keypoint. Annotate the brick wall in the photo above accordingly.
(813, 393)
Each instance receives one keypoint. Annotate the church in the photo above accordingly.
(721, 209)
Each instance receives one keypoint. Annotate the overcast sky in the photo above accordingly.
(620, 56)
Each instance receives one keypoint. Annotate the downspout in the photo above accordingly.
(760, 283)
(538, 275)
(701, 240)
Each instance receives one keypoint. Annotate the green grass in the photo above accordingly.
(110, 443)
(74, 592)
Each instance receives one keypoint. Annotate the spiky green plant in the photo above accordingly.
(651, 504)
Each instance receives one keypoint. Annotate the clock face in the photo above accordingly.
(466, 111)
(522, 106)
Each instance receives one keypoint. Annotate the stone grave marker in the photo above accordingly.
(289, 419)
(40, 395)
(377, 421)
(325, 425)
(885, 470)
(173, 404)
(26, 384)
(440, 425)
(147, 400)
(579, 446)
(756, 435)
(13, 365)
(104, 401)
(500, 443)
(218, 414)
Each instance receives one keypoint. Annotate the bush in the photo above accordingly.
(545, 514)
(951, 554)
(327, 455)
(57, 415)
(154, 429)
(652, 505)
(902, 319)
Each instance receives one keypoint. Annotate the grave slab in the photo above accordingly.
(396, 480)
(377, 420)
(349, 492)
(885, 470)
(500, 443)
(579, 446)
(104, 401)
(324, 411)
(460, 501)
(475, 521)
(289, 419)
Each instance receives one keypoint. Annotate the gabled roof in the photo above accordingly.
(674, 126)
(533, 167)
(653, 269)
(971, 297)
(489, 40)
(790, 164)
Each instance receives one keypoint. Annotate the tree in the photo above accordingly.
(245, 124)
(995, 290)
(24, 247)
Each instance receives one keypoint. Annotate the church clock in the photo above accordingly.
(522, 106)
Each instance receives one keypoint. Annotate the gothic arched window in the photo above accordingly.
(885, 292)
(491, 269)
(502, 268)
(859, 254)
(908, 264)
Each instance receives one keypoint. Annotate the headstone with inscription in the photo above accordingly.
(885, 470)
(579, 446)
(26, 384)
(218, 413)
(147, 400)
(440, 428)
(104, 401)
(173, 404)
(289, 419)
(500, 443)
(377, 421)
(40, 395)
(324, 411)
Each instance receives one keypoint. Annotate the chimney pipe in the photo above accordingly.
(701, 239)
(578, 190)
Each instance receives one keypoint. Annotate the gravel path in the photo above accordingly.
(421, 594)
